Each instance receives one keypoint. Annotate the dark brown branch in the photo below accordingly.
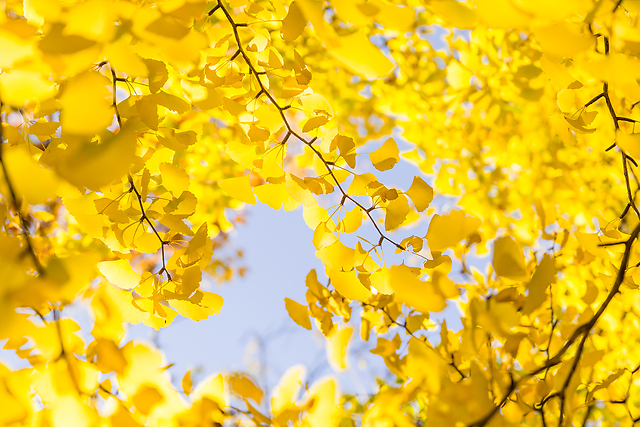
(281, 110)
(114, 101)
(584, 329)
(145, 218)
(13, 202)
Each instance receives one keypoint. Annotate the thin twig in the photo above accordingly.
(13, 203)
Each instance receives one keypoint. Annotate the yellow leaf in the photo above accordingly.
(158, 74)
(18, 87)
(276, 196)
(314, 104)
(120, 273)
(239, 188)
(348, 285)
(544, 276)
(325, 411)
(358, 186)
(174, 178)
(447, 230)
(293, 24)
(501, 14)
(85, 108)
(413, 292)
(68, 411)
(198, 307)
(385, 157)
(361, 56)
(146, 398)
(337, 348)
(351, 221)
(458, 14)
(336, 256)
(397, 211)
(257, 134)
(421, 193)
(124, 59)
(615, 69)
(31, 180)
(347, 149)
(298, 312)
(424, 364)
(95, 165)
(37, 11)
(187, 383)
(629, 143)
(457, 75)
(391, 16)
(381, 280)
(175, 223)
(314, 122)
(563, 39)
(109, 356)
(242, 385)
(323, 237)
(92, 19)
(287, 390)
(508, 259)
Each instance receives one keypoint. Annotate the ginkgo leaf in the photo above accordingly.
(158, 74)
(458, 14)
(95, 165)
(287, 390)
(348, 285)
(276, 196)
(187, 383)
(361, 56)
(563, 39)
(393, 17)
(385, 157)
(120, 273)
(397, 211)
(508, 259)
(109, 357)
(31, 180)
(245, 387)
(421, 193)
(85, 108)
(381, 281)
(20, 86)
(351, 221)
(146, 398)
(323, 236)
(447, 230)
(544, 276)
(347, 149)
(337, 348)
(239, 188)
(413, 292)
(293, 24)
(123, 58)
(630, 143)
(579, 124)
(458, 76)
(314, 122)
(70, 411)
(336, 256)
(501, 14)
(174, 178)
(257, 134)
(298, 313)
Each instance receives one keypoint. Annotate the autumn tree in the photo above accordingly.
(134, 131)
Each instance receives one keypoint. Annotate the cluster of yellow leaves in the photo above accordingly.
(129, 130)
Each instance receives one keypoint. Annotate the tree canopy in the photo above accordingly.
(134, 132)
